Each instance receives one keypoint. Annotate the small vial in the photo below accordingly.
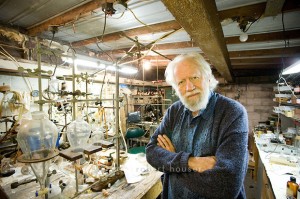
(291, 188)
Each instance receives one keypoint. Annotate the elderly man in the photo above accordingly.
(201, 143)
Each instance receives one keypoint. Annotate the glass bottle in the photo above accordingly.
(291, 188)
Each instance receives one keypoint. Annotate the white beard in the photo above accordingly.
(196, 104)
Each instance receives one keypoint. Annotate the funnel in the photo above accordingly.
(37, 138)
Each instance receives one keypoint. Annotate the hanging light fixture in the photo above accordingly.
(243, 26)
(243, 37)
(120, 6)
(245, 22)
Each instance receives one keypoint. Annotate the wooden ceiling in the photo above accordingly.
(261, 58)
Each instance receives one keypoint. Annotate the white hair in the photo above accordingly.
(200, 62)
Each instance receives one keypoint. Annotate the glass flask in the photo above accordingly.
(37, 139)
(78, 133)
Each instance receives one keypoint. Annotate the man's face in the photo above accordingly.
(192, 88)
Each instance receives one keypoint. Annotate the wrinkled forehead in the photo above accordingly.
(188, 67)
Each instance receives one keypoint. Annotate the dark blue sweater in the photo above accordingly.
(220, 130)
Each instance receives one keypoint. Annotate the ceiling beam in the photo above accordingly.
(257, 67)
(277, 52)
(156, 28)
(256, 10)
(166, 46)
(293, 34)
(67, 17)
(257, 79)
(254, 72)
(273, 7)
(174, 25)
(264, 61)
(199, 20)
(272, 36)
(165, 26)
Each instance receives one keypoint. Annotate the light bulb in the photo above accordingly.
(146, 65)
(243, 37)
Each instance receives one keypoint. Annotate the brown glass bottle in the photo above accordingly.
(291, 188)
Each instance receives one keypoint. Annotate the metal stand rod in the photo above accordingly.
(117, 120)
(39, 74)
(73, 88)
(76, 177)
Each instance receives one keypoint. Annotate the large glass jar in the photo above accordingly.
(37, 135)
(37, 138)
(78, 133)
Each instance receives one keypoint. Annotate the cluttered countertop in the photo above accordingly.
(281, 160)
(139, 178)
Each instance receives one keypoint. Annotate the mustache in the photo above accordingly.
(196, 91)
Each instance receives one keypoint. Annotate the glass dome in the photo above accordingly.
(78, 133)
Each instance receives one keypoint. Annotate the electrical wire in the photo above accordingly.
(138, 19)
(53, 33)
(104, 52)
(153, 44)
(253, 23)
(104, 27)
(103, 82)
(55, 62)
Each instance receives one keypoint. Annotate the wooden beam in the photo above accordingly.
(272, 36)
(254, 72)
(255, 61)
(257, 66)
(277, 52)
(293, 34)
(256, 10)
(273, 7)
(67, 17)
(156, 28)
(199, 20)
(262, 61)
(257, 79)
(166, 46)
(166, 26)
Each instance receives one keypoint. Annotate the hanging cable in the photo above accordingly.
(253, 23)
(138, 19)
(104, 27)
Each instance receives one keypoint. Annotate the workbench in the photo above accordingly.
(272, 174)
(147, 185)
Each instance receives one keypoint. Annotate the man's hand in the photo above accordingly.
(165, 142)
(200, 164)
